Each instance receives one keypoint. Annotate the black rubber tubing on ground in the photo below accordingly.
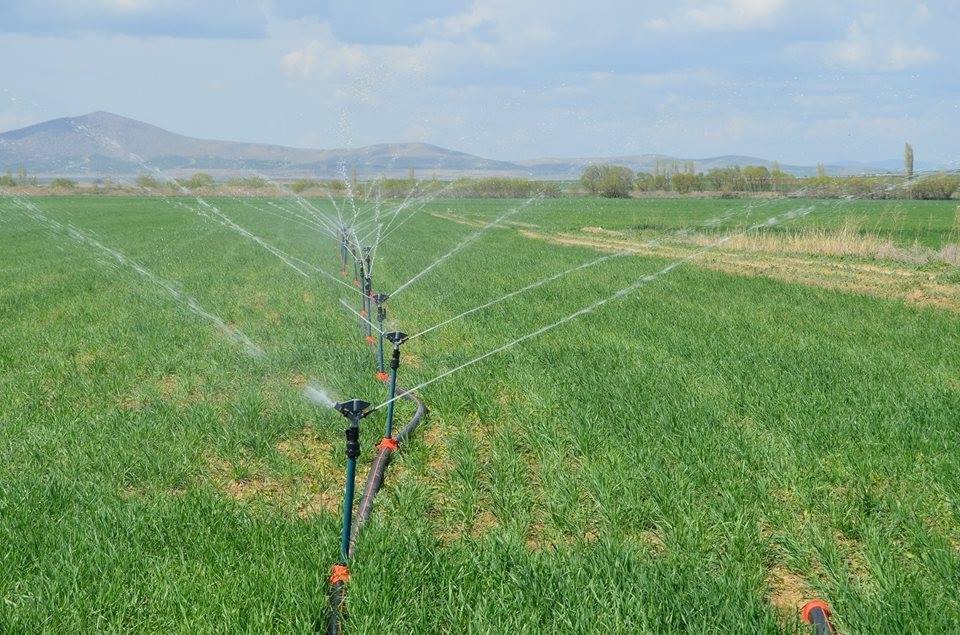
(338, 594)
(378, 468)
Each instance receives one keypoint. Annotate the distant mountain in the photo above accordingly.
(103, 144)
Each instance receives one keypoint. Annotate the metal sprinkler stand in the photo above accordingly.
(379, 299)
(396, 338)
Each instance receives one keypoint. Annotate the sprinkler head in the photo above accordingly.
(380, 298)
(354, 410)
(396, 337)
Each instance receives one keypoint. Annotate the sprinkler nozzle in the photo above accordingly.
(380, 298)
(396, 337)
(354, 410)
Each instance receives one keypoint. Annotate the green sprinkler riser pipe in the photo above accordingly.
(380, 349)
(353, 452)
(379, 299)
(391, 399)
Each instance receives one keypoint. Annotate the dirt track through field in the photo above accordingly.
(840, 260)
(766, 258)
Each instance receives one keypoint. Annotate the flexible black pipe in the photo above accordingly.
(338, 597)
(378, 468)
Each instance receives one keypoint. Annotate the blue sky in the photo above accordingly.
(797, 81)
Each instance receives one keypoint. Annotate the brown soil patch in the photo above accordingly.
(458, 219)
(854, 558)
(298, 380)
(168, 386)
(130, 404)
(479, 224)
(310, 489)
(84, 359)
(653, 541)
(434, 439)
(603, 232)
(788, 592)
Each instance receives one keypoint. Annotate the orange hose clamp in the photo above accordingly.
(371, 339)
(817, 612)
(382, 376)
(388, 443)
(339, 574)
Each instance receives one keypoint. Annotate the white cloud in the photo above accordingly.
(723, 15)
(871, 50)
(326, 57)
(900, 57)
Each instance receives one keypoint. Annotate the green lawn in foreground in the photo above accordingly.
(644, 468)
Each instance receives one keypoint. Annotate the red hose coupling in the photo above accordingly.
(371, 339)
(382, 376)
(388, 443)
(339, 574)
(817, 613)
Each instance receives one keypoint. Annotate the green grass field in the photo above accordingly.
(698, 456)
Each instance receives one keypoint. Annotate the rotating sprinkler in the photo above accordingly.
(353, 410)
(817, 613)
(379, 299)
(396, 338)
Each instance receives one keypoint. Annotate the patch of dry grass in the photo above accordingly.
(810, 257)
(309, 489)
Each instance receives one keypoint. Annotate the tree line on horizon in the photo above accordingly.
(617, 181)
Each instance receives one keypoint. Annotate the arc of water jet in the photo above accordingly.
(773, 220)
(322, 224)
(231, 332)
(539, 283)
(262, 210)
(463, 243)
(344, 304)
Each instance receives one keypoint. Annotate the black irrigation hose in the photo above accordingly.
(379, 467)
(338, 597)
